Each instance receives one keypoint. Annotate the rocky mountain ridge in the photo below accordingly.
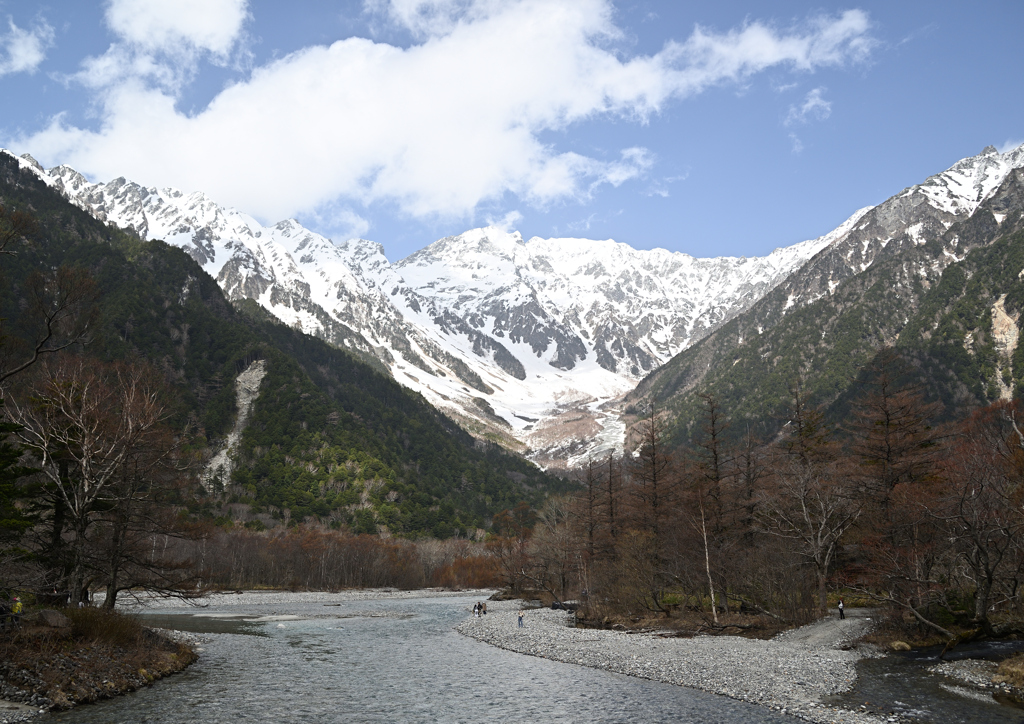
(522, 341)
(931, 272)
(527, 342)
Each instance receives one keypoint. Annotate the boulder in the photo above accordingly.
(899, 646)
(54, 619)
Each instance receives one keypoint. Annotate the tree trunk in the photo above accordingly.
(822, 592)
(707, 566)
(981, 597)
(111, 598)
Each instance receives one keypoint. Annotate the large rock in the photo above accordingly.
(54, 619)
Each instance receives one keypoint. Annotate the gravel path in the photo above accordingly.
(791, 673)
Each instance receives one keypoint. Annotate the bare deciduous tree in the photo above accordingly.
(84, 421)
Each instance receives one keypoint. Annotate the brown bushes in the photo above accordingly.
(315, 558)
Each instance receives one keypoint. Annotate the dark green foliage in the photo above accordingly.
(329, 435)
(13, 519)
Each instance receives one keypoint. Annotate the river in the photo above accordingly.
(386, 661)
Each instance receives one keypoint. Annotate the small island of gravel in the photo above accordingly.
(792, 673)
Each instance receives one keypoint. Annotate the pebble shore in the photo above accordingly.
(791, 673)
(977, 676)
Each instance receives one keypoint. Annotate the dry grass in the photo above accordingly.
(1011, 671)
(102, 654)
(690, 623)
(100, 626)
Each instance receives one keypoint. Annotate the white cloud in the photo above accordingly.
(160, 42)
(506, 223)
(660, 186)
(21, 51)
(814, 107)
(336, 220)
(796, 144)
(1010, 144)
(437, 128)
(170, 25)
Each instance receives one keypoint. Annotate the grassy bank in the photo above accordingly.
(101, 654)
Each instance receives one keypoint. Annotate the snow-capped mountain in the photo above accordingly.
(912, 217)
(521, 341)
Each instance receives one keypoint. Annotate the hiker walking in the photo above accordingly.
(16, 610)
(521, 618)
(842, 615)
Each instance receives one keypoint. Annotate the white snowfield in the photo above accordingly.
(523, 340)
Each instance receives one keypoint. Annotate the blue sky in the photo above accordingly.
(714, 129)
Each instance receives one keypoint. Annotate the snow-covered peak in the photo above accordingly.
(962, 187)
(27, 163)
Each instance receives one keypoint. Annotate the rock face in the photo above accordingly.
(523, 341)
(247, 389)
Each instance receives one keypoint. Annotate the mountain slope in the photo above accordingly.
(521, 341)
(895, 298)
(329, 436)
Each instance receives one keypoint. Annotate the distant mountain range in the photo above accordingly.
(534, 343)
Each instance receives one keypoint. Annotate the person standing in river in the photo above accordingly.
(842, 614)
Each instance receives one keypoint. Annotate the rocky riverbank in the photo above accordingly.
(979, 679)
(45, 668)
(793, 673)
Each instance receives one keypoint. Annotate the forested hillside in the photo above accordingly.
(933, 299)
(329, 436)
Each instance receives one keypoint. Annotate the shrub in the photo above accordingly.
(105, 627)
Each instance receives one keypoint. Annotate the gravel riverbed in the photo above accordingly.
(283, 598)
(792, 673)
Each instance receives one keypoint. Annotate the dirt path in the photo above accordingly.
(831, 632)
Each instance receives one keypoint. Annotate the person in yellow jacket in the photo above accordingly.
(16, 611)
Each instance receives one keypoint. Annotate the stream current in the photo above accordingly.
(386, 661)
(398, 660)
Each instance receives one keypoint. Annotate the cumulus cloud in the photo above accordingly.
(21, 51)
(160, 42)
(814, 108)
(170, 26)
(451, 122)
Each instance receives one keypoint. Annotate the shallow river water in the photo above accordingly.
(387, 661)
